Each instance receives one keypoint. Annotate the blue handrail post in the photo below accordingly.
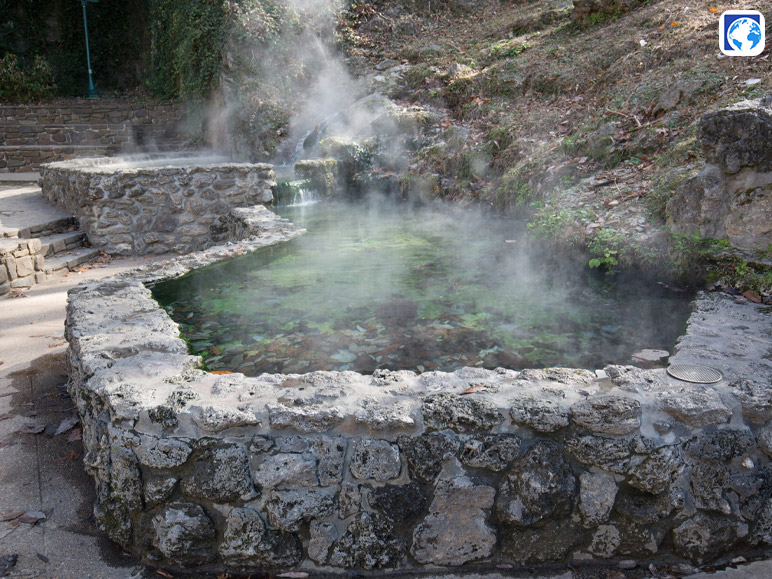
(92, 93)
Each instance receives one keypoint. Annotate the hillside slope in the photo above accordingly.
(584, 126)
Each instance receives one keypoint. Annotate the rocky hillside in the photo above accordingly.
(583, 117)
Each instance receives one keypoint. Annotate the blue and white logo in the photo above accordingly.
(741, 33)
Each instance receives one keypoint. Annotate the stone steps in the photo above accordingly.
(70, 260)
(37, 241)
(58, 243)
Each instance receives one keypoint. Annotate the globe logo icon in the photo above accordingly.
(741, 33)
(744, 34)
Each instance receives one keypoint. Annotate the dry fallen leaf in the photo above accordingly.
(752, 296)
(473, 388)
(67, 424)
(10, 515)
(72, 455)
(220, 372)
(164, 574)
(75, 435)
(32, 517)
(32, 428)
(43, 558)
(57, 344)
(712, 9)
(293, 575)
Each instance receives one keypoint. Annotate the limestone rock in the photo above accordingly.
(737, 136)
(644, 509)
(162, 452)
(322, 535)
(564, 376)
(605, 541)
(761, 532)
(370, 543)
(455, 531)
(721, 445)
(755, 398)
(597, 493)
(323, 174)
(330, 452)
(700, 204)
(540, 485)
(282, 470)
(543, 415)
(708, 483)
(608, 414)
(184, 533)
(247, 542)
(612, 454)
(378, 416)
(312, 418)
(765, 441)
(400, 503)
(216, 418)
(696, 407)
(287, 510)
(655, 473)
(552, 541)
(494, 452)
(112, 516)
(158, 488)
(632, 379)
(349, 499)
(732, 196)
(426, 453)
(459, 413)
(125, 478)
(704, 538)
(220, 474)
(375, 459)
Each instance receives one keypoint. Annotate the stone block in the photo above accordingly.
(23, 282)
(375, 459)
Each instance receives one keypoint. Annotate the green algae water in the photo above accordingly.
(379, 285)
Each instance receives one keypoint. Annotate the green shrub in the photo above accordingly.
(23, 85)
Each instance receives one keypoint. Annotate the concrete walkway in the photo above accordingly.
(41, 473)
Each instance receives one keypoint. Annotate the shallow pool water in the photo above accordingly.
(379, 285)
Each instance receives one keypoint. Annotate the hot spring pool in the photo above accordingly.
(378, 285)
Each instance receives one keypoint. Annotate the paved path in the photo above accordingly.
(43, 473)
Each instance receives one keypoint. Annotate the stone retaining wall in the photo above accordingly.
(341, 471)
(146, 205)
(21, 264)
(34, 134)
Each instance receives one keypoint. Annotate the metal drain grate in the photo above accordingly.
(694, 373)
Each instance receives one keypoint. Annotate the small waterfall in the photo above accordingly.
(298, 193)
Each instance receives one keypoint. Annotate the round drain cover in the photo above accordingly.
(694, 373)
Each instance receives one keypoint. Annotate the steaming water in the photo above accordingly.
(381, 286)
